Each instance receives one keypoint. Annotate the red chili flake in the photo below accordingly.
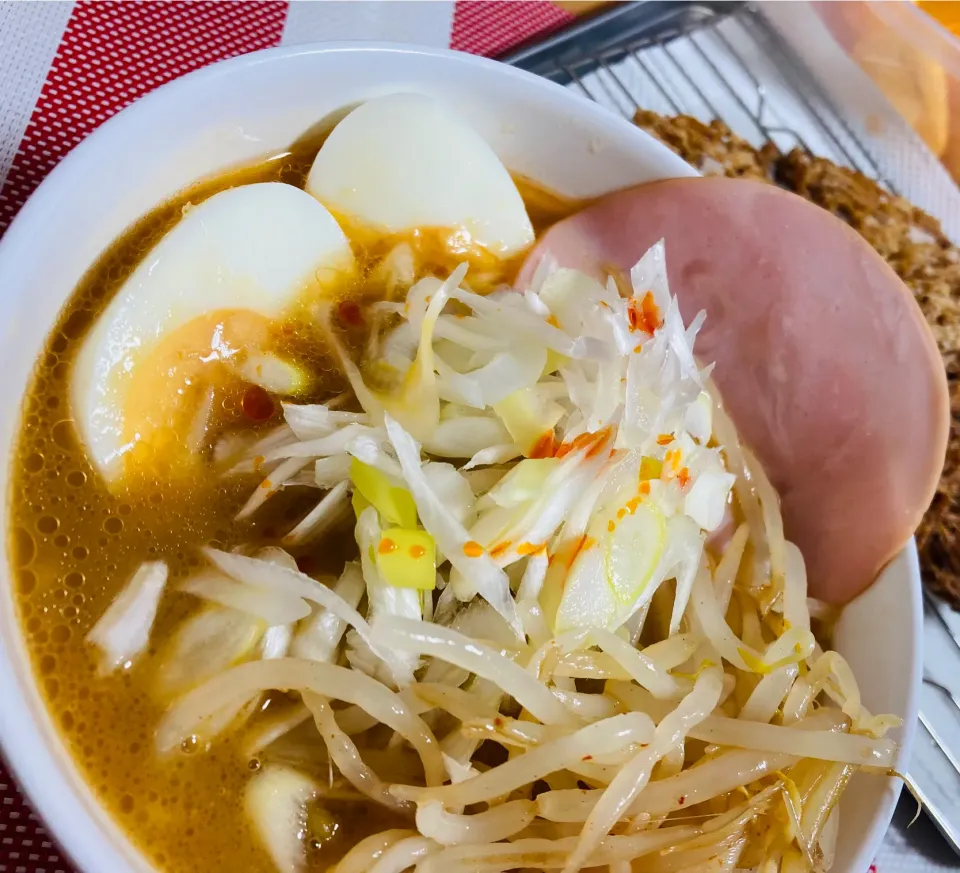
(584, 439)
(682, 799)
(350, 314)
(497, 721)
(587, 758)
(564, 449)
(644, 315)
(576, 549)
(531, 548)
(651, 313)
(599, 441)
(257, 405)
(544, 447)
(672, 459)
(872, 868)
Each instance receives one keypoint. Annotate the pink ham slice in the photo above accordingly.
(823, 358)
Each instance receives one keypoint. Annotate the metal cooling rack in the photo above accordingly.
(721, 60)
(691, 58)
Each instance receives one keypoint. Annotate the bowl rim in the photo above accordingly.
(30, 743)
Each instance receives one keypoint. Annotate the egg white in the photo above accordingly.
(406, 161)
(256, 247)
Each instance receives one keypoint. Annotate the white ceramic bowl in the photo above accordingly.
(242, 109)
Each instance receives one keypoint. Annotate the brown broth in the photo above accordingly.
(75, 544)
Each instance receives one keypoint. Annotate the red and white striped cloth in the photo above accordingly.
(66, 67)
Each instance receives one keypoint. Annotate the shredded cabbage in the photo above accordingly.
(318, 636)
(275, 608)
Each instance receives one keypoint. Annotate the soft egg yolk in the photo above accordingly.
(170, 384)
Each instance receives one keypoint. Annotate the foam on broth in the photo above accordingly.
(75, 545)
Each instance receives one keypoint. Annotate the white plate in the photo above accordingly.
(248, 107)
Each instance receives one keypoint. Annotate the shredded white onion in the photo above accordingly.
(123, 631)
(279, 476)
(319, 636)
(265, 574)
(275, 608)
(322, 516)
(488, 579)
(276, 802)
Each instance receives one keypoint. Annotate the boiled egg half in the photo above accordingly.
(200, 309)
(406, 163)
(197, 311)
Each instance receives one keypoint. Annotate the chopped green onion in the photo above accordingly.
(395, 504)
(650, 468)
(554, 362)
(359, 503)
(407, 558)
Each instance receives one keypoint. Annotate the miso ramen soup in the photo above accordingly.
(339, 547)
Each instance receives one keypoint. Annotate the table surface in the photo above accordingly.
(65, 67)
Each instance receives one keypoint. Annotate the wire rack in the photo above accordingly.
(711, 60)
(935, 767)
(718, 60)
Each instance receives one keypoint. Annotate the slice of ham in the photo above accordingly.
(823, 357)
